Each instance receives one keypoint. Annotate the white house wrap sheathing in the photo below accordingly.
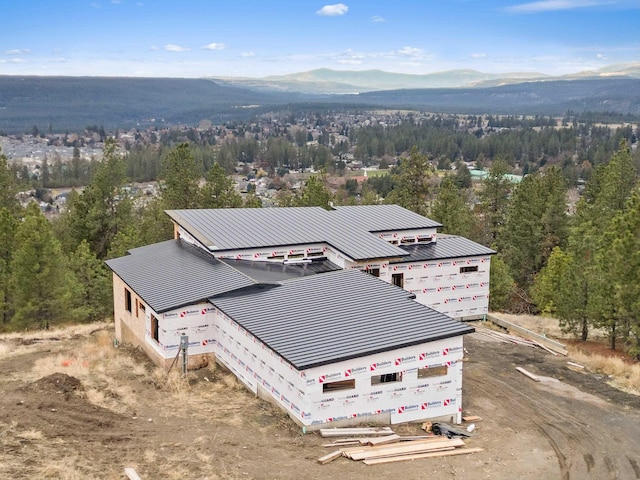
(444, 285)
(196, 321)
(300, 393)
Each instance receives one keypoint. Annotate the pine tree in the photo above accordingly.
(314, 193)
(412, 183)
(93, 299)
(219, 190)
(8, 186)
(624, 262)
(181, 177)
(561, 290)
(494, 198)
(102, 209)
(501, 285)
(535, 223)
(41, 283)
(8, 225)
(451, 209)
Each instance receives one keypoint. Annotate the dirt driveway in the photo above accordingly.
(75, 407)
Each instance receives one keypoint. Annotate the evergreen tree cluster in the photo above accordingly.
(53, 272)
(581, 267)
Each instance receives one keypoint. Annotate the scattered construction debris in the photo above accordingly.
(528, 374)
(471, 418)
(447, 430)
(131, 473)
(390, 447)
(398, 451)
(526, 337)
(577, 365)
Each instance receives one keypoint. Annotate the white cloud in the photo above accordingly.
(410, 52)
(13, 60)
(554, 5)
(95, 5)
(600, 56)
(349, 62)
(154, 48)
(175, 48)
(478, 55)
(333, 10)
(377, 19)
(215, 46)
(247, 54)
(17, 51)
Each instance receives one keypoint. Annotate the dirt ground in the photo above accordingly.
(76, 407)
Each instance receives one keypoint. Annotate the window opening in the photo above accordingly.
(386, 378)
(398, 279)
(438, 371)
(473, 268)
(373, 271)
(154, 328)
(127, 300)
(339, 385)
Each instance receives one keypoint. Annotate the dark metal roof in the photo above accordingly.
(242, 228)
(446, 246)
(322, 319)
(379, 218)
(275, 272)
(173, 274)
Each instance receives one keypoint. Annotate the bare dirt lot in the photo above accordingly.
(72, 406)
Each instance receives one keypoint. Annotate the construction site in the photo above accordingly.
(74, 406)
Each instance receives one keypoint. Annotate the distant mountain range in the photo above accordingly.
(327, 81)
(73, 103)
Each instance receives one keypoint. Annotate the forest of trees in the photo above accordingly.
(580, 267)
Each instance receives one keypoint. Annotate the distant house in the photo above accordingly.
(337, 316)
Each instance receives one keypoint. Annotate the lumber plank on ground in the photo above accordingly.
(380, 440)
(471, 418)
(343, 443)
(329, 457)
(407, 448)
(427, 441)
(446, 453)
(131, 474)
(363, 431)
(528, 374)
(552, 344)
(551, 351)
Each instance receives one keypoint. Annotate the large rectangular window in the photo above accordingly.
(127, 300)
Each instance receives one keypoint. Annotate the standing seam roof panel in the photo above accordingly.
(326, 318)
(173, 274)
(243, 228)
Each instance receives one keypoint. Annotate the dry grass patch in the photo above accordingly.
(542, 325)
(99, 367)
(623, 375)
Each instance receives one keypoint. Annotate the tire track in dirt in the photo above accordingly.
(577, 426)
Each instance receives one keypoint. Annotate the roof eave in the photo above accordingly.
(380, 350)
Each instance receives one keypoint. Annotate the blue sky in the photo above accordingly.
(210, 38)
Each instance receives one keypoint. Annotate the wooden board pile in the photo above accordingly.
(518, 340)
(382, 445)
